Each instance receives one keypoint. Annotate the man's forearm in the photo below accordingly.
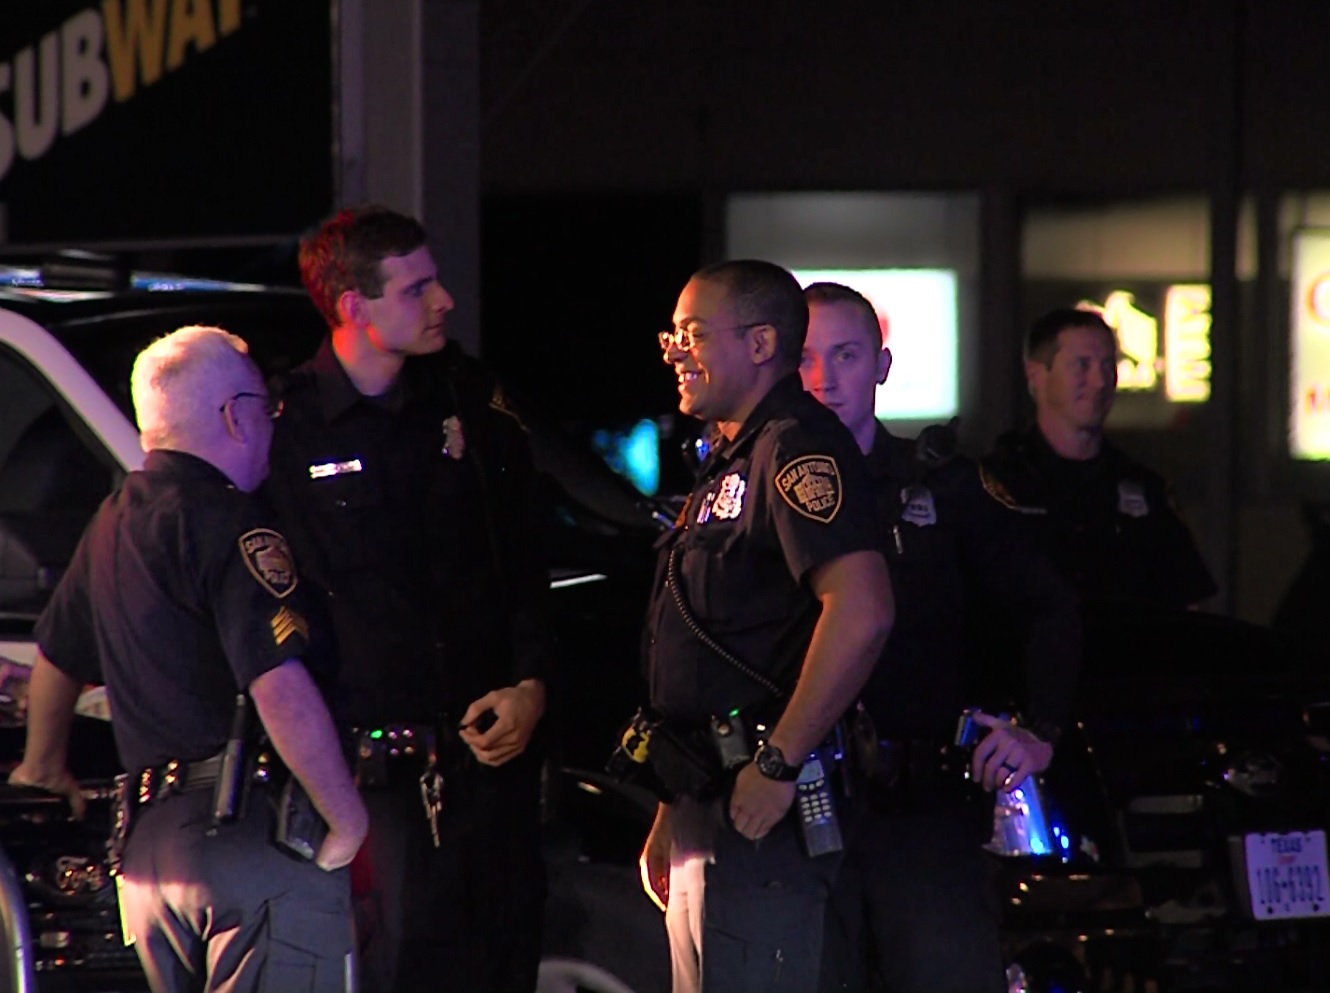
(52, 696)
(300, 728)
(857, 613)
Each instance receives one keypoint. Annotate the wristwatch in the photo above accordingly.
(770, 761)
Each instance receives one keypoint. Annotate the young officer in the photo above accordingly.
(406, 487)
(913, 897)
(181, 595)
(1104, 520)
(776, 562)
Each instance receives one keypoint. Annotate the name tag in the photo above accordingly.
(326, 469)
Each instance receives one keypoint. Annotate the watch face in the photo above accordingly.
(771, 763)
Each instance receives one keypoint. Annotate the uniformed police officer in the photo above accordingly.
(180, 595)
(1104, 520)
(776, 563)
(913, 897)
(406, 485)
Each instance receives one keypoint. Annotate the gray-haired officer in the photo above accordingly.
(180, 597)
(914, 899)
(771, 605)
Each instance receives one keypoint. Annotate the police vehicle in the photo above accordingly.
(69, 332)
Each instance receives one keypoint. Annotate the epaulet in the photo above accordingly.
(995, 488)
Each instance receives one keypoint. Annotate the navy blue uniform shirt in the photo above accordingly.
(787, 495)
(431, 560)
(949, 542)
(180, 592)
(1105, 523)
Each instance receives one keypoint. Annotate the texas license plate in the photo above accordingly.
(1286, 875)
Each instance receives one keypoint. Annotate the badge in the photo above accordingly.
(994, 488)
(454, 445)
(1131, 499)
(919, 508)
(325, 469)
(729, 497)
(268, 558)
(287, 622)
(811, 485)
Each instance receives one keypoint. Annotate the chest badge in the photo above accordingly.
(324, 470)
(729, 497)
(919, 507)
(268, 559)
(454, 444)
(1131, 499)
(811, 486)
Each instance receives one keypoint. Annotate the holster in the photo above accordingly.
(298, 827)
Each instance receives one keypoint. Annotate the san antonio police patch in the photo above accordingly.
(268, 558)
(811, 485)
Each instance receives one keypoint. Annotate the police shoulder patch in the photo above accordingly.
(995, 489)
(268, 558)
(499, 402)
(811, 485)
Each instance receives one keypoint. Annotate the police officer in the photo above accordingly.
(775, 563)
(1104, 520)
(180, 595)
(406, 485)
(913, 898)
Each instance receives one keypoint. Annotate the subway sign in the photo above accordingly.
(163, 119)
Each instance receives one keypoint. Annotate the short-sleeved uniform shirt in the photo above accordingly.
(948, 543)
(1106, 523)
(415, 514)
(787, 495)
(180, 594)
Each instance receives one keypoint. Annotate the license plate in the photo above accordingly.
(1286, 875)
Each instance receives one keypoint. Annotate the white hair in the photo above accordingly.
(181, 379)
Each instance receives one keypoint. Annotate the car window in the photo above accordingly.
(53, 476)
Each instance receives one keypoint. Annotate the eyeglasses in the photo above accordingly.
(273, 408)
(685, 339)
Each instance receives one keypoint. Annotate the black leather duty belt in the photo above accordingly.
(160, 781)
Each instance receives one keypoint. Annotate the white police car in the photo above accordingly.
(68, 338)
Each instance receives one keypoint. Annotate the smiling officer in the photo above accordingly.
(771, 604)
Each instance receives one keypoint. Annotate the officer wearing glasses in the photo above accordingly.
(182, 594)
(774, 563)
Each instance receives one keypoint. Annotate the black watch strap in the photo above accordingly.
(770, 762)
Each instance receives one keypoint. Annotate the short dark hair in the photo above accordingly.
(1041, 344)
(839, 293)
(764, 293)
(345, 252)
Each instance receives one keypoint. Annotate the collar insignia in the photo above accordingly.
(1131, 499)
(454, 445)
(919, 507)
(811, 485)
(729, 497)
(325, 469)
(268, 558)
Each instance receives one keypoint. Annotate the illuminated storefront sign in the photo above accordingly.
(1184, 365)
(1309, 351)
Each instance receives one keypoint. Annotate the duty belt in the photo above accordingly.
(157, 782)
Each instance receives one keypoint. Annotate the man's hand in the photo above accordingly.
(517, 711)
(58, 781)
(1008, 755)
(758, 803)
(343, 841)
(654, 862)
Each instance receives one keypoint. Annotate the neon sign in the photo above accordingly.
(1309, 347)
(1184, 365)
